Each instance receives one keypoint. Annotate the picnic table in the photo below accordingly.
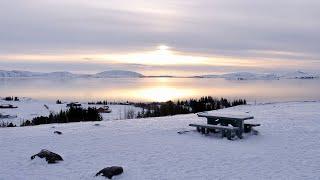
(222, 122)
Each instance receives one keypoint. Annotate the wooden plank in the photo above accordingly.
(252, 124)
(225, 116)
(214, 126)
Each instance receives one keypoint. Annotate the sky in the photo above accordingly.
(167, 37)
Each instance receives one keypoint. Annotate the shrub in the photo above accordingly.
(6, 124)
(73, 114)
(206, 103)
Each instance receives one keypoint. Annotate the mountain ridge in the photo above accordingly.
(133, 74)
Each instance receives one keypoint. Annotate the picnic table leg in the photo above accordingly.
(212, 122)
(222, 133)
(247, 128)
(203, 130)
(240, 131)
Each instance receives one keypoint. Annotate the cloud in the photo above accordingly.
(235, 28)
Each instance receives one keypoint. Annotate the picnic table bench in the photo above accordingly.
(228, 131)
(222, 122)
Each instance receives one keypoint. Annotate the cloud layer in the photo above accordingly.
(282, 29)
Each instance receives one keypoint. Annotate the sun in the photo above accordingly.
(163, 48)
(160, 55)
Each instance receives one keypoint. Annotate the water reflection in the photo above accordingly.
(159, 89)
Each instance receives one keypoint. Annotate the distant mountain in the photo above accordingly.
(60, 75)
(10, 74)
(25, 74)
(249, 76)
(263, 76)
(105, 74)
(132, 74)
(242, 76)
(161, 76)
(118, 74)
(299, 75)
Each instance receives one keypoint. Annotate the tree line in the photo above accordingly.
(206, 103)
(73, 114)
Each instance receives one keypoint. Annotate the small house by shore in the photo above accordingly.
(104, 109)
(74, 105)
(7, 106)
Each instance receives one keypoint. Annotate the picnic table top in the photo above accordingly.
(225, 116)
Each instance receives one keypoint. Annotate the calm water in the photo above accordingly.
(160, 89)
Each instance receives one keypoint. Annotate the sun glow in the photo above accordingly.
(162, 93)
(162, 55)
(163, 47)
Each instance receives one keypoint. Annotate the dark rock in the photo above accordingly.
(57, 132)
(11, 125)
(109, 172)
(182, 132)
(50, 156)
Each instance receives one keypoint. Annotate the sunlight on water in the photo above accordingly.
(162, 93)
(159, 89)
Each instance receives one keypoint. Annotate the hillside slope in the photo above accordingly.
(286, 148)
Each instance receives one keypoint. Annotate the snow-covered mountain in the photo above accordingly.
(14, 73)
(61, 75)
(299, 75)
(118, 74)
(132, 74)
(243, 76)
(249, 76)
(262, 76)
(105, 74)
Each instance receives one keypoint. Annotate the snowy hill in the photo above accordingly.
(118, 74)
(24, 74)
(105, 74)
(132, 74)
(12, 74)
(263, 76)
(60, 75)
(243, 76)
(299, 75)
(287, 147)
(249, 76)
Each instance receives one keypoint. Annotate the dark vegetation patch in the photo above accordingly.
(6, 124)
(11, 98)
(72, 114)
(206, 103)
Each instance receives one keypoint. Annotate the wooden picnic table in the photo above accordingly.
(226, 119)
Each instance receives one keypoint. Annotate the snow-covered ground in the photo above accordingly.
(287, 147)
(30, 108)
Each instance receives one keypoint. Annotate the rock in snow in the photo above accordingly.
(57, 132)
(109, 172)
(50, 156)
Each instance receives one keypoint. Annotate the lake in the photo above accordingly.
(159, 89)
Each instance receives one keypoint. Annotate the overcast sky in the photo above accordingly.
(59, 35)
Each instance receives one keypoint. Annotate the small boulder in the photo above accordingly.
(57, 132)
(109, 172)
(50, 156)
